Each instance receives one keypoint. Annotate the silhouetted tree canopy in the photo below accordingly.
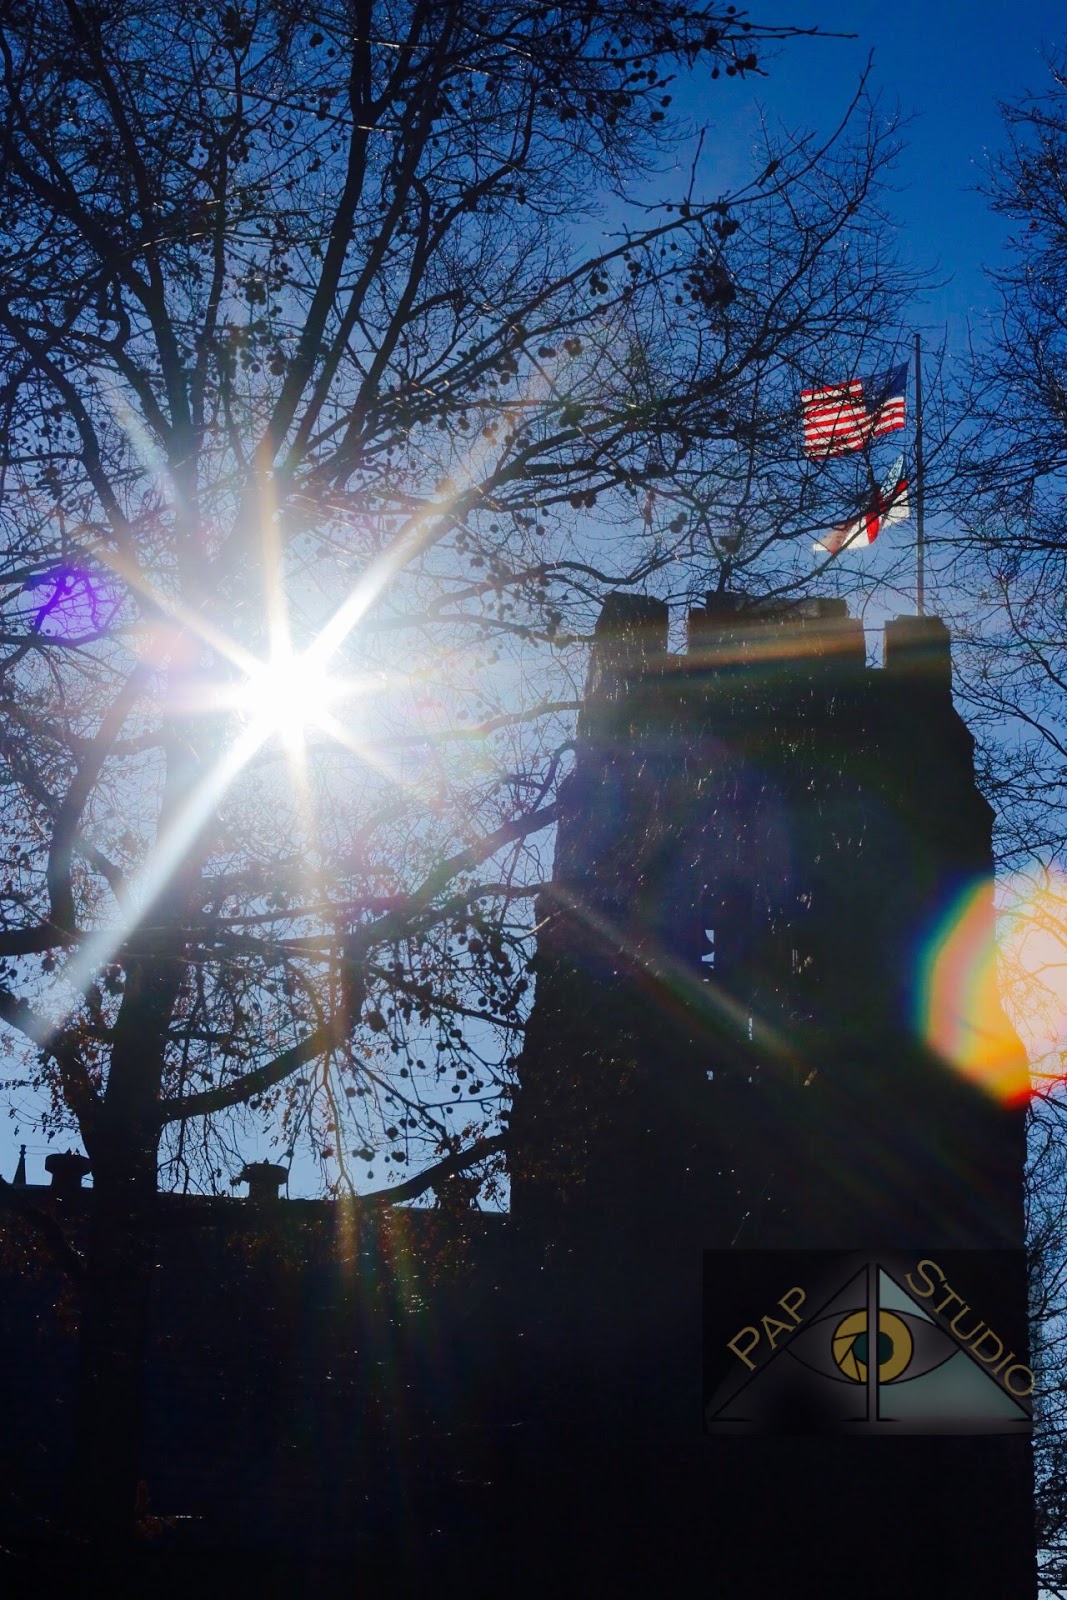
(309, 309)
(377, 338)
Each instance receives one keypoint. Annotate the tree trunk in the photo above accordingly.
(119, 1263)
(120, 1259)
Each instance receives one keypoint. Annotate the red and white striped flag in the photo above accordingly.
(840, 417)
(889, 505)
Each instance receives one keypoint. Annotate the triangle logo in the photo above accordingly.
(873, 1351)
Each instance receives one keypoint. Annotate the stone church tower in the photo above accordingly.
(732, 1050)
(737, 1081)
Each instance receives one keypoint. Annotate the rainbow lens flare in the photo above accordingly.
(961, 1015)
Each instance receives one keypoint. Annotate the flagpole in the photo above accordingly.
(920, 530)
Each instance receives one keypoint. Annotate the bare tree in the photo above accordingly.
(1009, 490)
(349, 354)
(1047, 1242)
(1006, 561)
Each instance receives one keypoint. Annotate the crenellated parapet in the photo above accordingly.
(760, 843)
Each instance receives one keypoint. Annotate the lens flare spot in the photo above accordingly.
(962, 1016)
(288, 694)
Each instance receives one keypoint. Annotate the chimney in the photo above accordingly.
(264, 1179)
(67, 1169)
(19, 1180)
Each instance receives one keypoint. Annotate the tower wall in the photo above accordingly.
(728, 1051)
(758, 843)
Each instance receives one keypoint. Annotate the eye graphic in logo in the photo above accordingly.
(839, 1346)
(851, 1346)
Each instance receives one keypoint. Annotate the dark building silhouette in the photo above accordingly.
(328, 1397)
(727, 1053)
(757, 839)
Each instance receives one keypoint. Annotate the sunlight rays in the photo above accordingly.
(274, 698)
(171, 848)
(280, 697)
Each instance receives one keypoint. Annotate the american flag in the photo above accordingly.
(889, 505)
(837, 418)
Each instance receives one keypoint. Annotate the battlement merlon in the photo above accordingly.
(630, 640)
(785, 686)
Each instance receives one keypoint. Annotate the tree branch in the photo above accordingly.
(252, 1083)
(64, 833)
(438, 1173)
(78, 1091)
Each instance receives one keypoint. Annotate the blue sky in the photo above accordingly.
(944, 69)
(943, 66)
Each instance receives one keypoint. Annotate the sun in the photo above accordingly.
(286, 696)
